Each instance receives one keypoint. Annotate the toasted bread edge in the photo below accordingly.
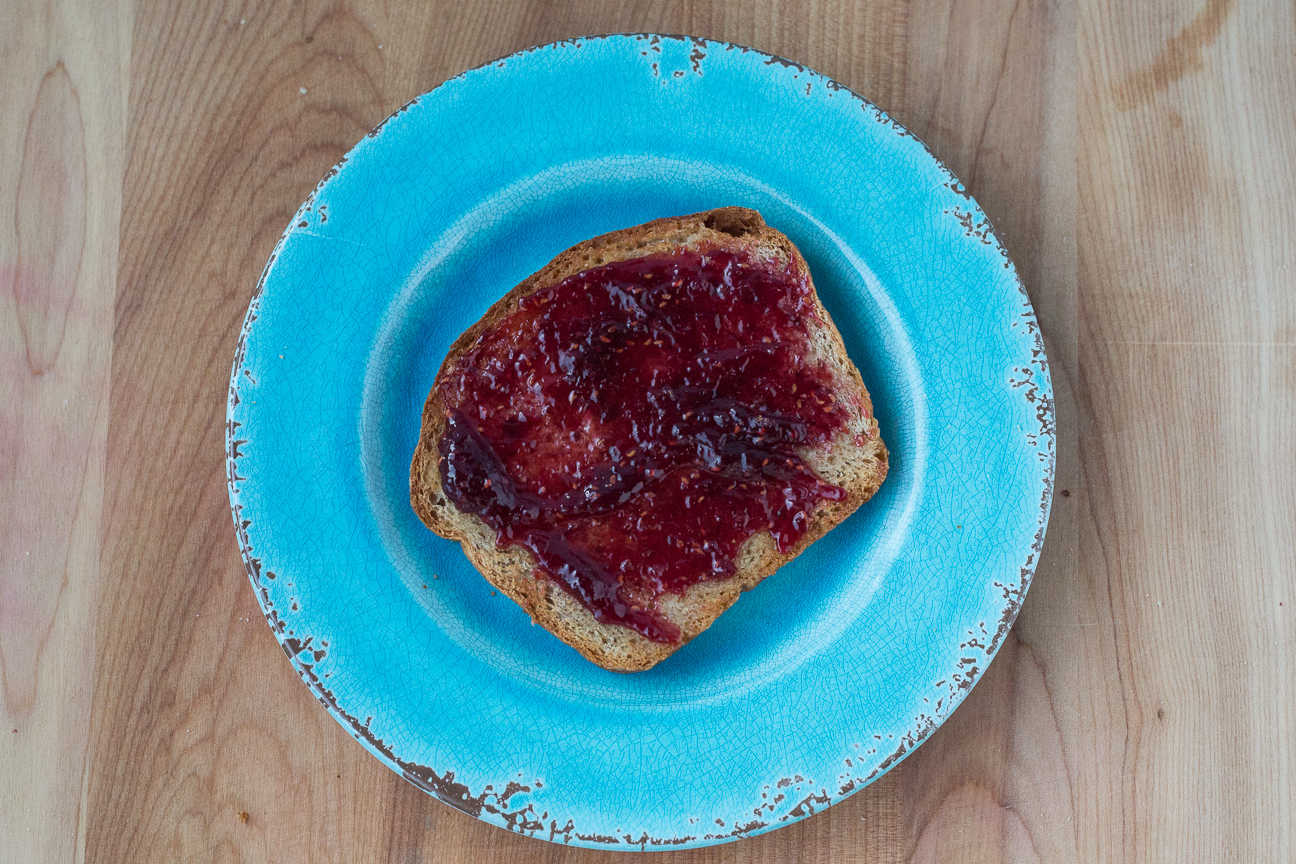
(512, 570)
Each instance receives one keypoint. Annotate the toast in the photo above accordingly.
(854, 460)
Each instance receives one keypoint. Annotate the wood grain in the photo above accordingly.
(1187, 390)
(62, 120)
(1138, 161)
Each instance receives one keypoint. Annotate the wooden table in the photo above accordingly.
(1139, 160)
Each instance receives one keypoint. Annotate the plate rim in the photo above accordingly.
(491, 803)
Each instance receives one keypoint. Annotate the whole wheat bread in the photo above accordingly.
(856, 459)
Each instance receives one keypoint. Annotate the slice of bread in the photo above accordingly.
(855, 459)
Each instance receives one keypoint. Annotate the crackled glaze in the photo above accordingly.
(836, 667)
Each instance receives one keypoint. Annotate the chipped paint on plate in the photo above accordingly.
(813, 684)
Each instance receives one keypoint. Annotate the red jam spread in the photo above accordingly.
(636, 423)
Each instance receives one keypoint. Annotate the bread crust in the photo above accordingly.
(855, 460)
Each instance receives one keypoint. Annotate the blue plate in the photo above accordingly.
(816, 682)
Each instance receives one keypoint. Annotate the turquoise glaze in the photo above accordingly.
(813, 684)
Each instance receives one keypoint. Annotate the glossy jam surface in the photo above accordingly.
(635, 424)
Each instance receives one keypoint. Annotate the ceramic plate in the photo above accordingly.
(815, 683)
